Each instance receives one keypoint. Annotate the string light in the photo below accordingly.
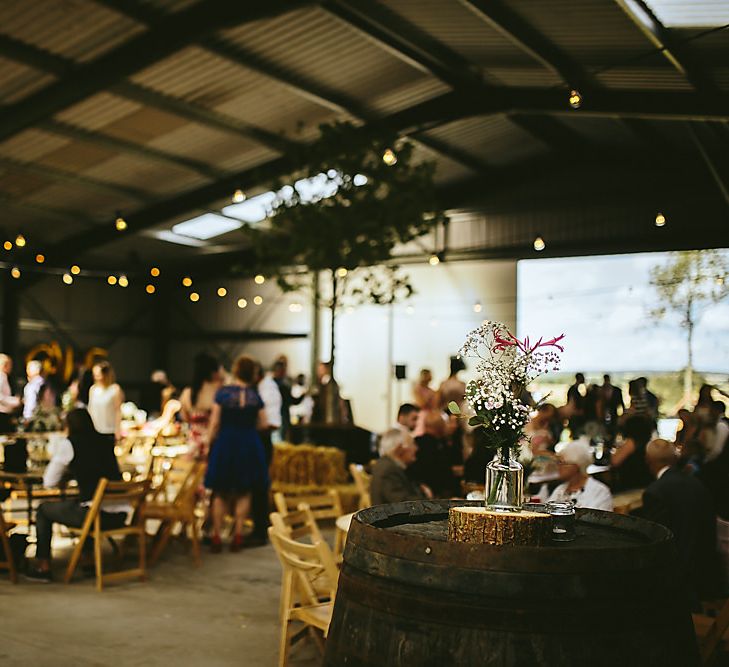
(477, 307)
(575, 99)
(295, 307)
(111, 280)
(259, 279)
(660, 220)
(75, 269)
(194, 297)
(539, 244)
(67, 278)
(154, 272)
(15, 272)
(120, 223)
(258, 300)
(8, 245)
(341, 272)
(222, 291)
(123, 281)
(20, 241)
(239, 196)
(389, 157)
(187, 281)
(242, 303)
(434, 260)
(40, 258)
(150, 289)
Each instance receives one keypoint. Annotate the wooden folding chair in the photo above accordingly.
(304, 564)
(362, 481)
(132, 493)
(9, 562)
(297, 524)
(181, 510)
(710, 632)
(326, 505)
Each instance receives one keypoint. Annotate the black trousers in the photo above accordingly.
(69, 513)
(259, 496)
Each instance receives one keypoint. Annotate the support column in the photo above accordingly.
(315, 330)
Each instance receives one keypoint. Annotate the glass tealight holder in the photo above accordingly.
(563, 520)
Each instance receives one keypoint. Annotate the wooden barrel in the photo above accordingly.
(407, 597)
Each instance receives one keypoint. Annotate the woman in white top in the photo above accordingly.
(573, 460)
(105, 401)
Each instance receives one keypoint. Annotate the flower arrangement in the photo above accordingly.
(505, 367)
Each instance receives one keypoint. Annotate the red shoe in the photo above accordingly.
(216, 544)
(237, 544)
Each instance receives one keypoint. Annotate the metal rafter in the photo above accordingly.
(663, 39)
(134, 55)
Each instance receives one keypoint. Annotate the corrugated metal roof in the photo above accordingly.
(98, 111)
(31, 145)
(18, 81)
(446, 170)
(76, 197)
(317, 46)
(161, 179)
(78, 29)
(493, 139)
(463, 31)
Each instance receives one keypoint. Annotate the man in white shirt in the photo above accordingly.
(574, 459)
(8, 402)
(32, 390)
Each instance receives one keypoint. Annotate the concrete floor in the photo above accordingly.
(223, 613)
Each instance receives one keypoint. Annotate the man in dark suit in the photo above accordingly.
(390, 483)
(682, 504)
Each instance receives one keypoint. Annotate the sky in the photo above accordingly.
(601, 304)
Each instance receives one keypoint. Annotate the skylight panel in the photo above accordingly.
(206, 226)
(688, 14)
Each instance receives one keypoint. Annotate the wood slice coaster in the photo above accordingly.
(477, 525)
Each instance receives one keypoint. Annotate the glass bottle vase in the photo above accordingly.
(504, 482)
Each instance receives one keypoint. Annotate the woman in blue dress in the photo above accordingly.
(236, 464)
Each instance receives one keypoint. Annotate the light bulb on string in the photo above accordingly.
(154, 272)
(187, 281)
(575, 99)
(295, 307)
(194, 297)
(389, 157)
(238, 196)
(111, 280)
(660, 220)
(242, 303)
(75, 269)
(539, 243)
(20, 241)
(341, 272)
(150, 289)
(222, 291)
(8, 245)
(258, 300)
(40, 258)
(15, 272)
(123, 281)
(410, 310)
(259, 279)
(434, 260)
(67, 278)
(477, 307)
(120, 223)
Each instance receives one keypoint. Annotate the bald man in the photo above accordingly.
(682, 504)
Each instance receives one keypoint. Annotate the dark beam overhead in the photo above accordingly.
(134, 55)
(675, 52)
(520, 33)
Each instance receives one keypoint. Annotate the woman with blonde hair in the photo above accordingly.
(105, 401)
(236, 464)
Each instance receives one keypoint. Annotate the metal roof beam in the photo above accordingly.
(134, 55)
(512, 26)
(647, 22)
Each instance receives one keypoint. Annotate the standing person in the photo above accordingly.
(452, 388)
(87, 456)
(105, 401)
(650, 397)
(283, 382)
(197, 403)
(576, 395)
(8, 402)
(614, 406)
(33, 389)
(236, 464)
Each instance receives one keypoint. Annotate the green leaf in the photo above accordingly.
(475, 421)
(453, 408)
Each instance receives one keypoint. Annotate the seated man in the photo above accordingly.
(682, 504)
(574, 459)
(407, 417)
(390, 483)
(85, 456)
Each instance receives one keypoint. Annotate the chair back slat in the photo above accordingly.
(362, 481)
(327, 505)
(297, 524)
